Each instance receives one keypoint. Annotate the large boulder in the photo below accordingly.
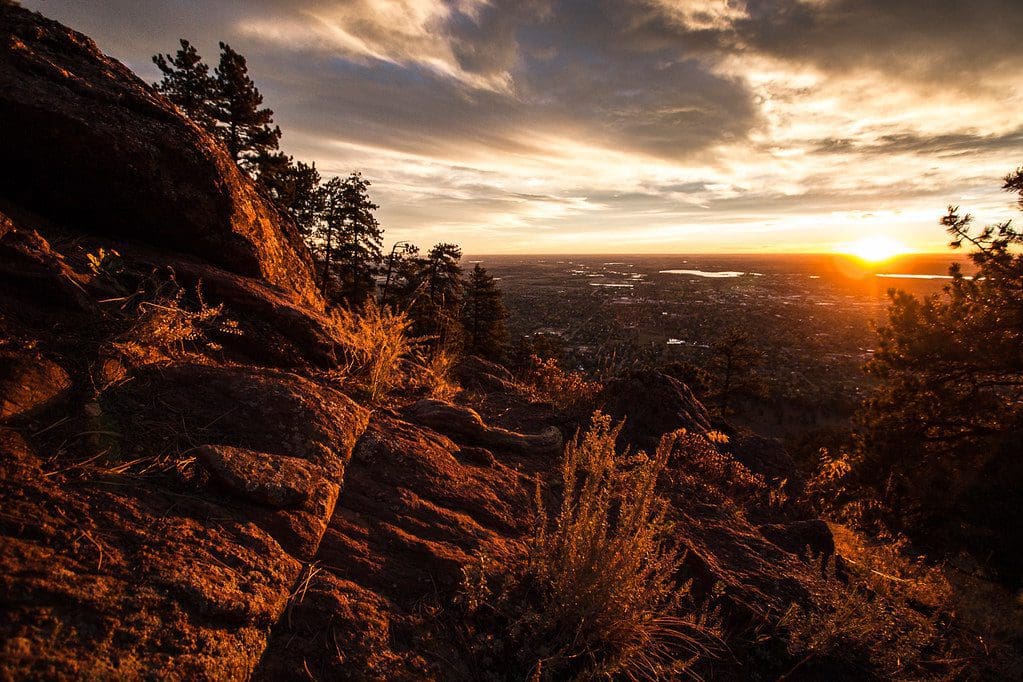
(89, 145)
(475, 373)
(179, 407)
(410, 516)
(653, 404)
(126, 578)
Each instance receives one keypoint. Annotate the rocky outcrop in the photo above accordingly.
(466, 426)
(762, 455)
(179, 407)
(29, 382)
(653, 404)
(117, 576)
(90, 145)
(411, 515)
(475, 373)
(274, 481)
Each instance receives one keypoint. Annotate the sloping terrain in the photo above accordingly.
(190, 492)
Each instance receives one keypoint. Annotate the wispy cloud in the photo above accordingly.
(621, 125)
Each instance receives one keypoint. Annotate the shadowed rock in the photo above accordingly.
(96, 147)
(129, 579)
(475, 373)
(465, 425)
(271, 480)
(28, 383)
(288, 497)
(181, 406)
(652, 405)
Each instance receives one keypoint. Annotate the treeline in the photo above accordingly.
(336, 215)
(939, 443)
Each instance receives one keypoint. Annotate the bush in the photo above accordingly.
(593, 594)
(166, 324)
(570, 391)
(432, 373)
(376, 341)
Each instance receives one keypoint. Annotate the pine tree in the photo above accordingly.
(246, 127)
(735, 358)
(405, 275)
(940, 438)
(187, 83)
(444, 274)
(351, 238)
(303, 198)
(326, 233)
(294, 187)
(484, 315)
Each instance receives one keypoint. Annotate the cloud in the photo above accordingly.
(599, 124)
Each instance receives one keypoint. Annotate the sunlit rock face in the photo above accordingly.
(91, 145)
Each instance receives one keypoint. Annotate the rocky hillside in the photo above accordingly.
(190, 490)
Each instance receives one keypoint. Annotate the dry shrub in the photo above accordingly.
(377, 342)
(570, 391)
(873, 624)
(165, 324)
(834, 490)
(896, 616)
(593, 594)
(432, 372)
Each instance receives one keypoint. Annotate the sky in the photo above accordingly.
(626, 126)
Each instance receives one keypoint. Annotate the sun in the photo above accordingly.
(874, 249)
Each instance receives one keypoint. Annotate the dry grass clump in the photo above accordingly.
(570, 391)
(377, 342)
(166, 324)
(432, 372)
(593, 594)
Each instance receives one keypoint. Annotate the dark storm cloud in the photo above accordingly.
(635, 76)
(586, 70)
(942, 42)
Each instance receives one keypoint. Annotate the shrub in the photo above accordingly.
(377, 341)
(570, 391)
(432, 373)
(165, 324)
(593, 594)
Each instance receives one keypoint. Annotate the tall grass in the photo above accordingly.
(376, 340)
(433, 372)
(594, 593)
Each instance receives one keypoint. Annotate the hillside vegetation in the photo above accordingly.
(211, 471)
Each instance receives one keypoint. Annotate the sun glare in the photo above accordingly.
(874, 249)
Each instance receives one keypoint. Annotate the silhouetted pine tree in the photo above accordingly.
(484, 315)
(435, 309)
(246, 127)
(734, 361)
(295, 187)
(351, 239)
(941, 438)
(187, 82)
(444, 274)
(405, 272)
